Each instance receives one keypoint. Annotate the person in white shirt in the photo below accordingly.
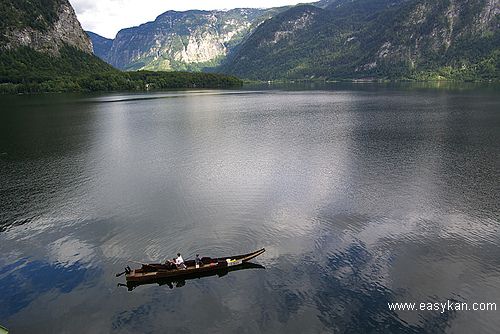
(180, 262)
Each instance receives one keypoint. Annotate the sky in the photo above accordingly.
(107, 17)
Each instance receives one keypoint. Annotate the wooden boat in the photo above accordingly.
(179, 282)
(155, 271)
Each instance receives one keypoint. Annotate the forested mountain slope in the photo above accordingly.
(417, 39)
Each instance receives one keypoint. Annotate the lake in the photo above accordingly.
(362, 194)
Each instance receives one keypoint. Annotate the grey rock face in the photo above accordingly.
(182, 40)
(65, 30)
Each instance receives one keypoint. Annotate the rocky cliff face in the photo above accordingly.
(55, 25)
(187, 40)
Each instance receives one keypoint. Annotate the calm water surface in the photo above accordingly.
(362, 195)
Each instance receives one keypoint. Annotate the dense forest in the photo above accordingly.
(27, 71)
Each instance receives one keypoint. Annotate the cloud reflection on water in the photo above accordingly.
(361, 197)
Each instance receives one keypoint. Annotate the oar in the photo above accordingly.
(127, 271)
(118, 275)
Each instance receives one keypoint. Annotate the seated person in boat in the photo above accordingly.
(180, 262)
(197, 261)
(170, 264)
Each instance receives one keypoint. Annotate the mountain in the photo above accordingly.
(43, 25)
(43, 40)
(189, 40)
(306, 40)
(419, 39)
(44, 49)
(101, 45)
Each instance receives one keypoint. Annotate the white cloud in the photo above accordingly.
(107, 17)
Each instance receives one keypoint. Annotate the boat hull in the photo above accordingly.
(156, 271)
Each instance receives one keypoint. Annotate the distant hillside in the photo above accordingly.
(189, 40)
(415, 39)
(100, 44)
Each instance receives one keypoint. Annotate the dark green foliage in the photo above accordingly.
(27, 71)
(26, 65)
(161, 80)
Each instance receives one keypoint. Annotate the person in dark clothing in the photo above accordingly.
(170, 264)
(197, 261)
